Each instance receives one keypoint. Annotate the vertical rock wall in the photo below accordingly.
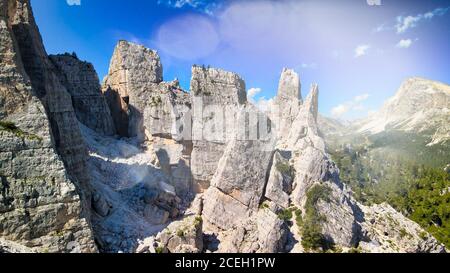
(134, 74)
(81, 81)
(214, 92)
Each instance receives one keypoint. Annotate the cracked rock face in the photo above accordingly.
(81, 81)
(184, 236)
(262, 233)
(40, 206)
(133, 72)
(239, 181)
(279, 185)
(215, 93)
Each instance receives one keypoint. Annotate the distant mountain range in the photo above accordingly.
(401, 154)
(420, 106)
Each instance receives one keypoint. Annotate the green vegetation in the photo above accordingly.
(263, 205)
(59, 233)
(312, 237)
(404, 233)
(298, 218)
(355, 250)
(12, 128)
(400, 169)
(285, 215)
(180, 233)
(285, 169)
(155, 101)
(159, 249)
(8, 126)
(423, 235)
(197, 221)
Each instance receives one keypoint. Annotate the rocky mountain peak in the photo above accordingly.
(132, 63)
(133, 70)
(420, 105)
(289, 86)
(218, 84)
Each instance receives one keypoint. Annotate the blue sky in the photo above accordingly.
(359, 54)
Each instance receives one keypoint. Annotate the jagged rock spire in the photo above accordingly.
(217, 89)
(289, 86)
(133, 72)
(312, 101)
(287, 103)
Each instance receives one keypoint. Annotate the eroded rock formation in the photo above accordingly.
(145, 107)
(214, 92)
(199, 172)
(81, 81)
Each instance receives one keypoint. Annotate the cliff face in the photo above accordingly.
(42, 152)
(81, 81)
(214, 92)
(133, 71)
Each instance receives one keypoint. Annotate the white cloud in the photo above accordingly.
(73, 2)
(356, 104)
(180, 3)
(251, 93)
(404, 43)
(262, 103)
(408, 22)
(404, 23)
(361, 50)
